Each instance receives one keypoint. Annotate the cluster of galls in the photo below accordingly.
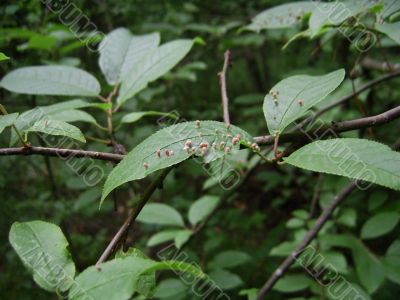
(204, 147)
(167, 153)
(255, 147)
(274, 95)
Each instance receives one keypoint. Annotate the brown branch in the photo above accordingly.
(374, 64)
(365, 87)
(323, 218)
(222, 83)
(338, 127)
(335, 128)
(62, 153)
(132, 216)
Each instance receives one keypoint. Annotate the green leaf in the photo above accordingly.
(334, 13)
(347, 217)
(389, 8)
(294, 223)
(54, 127)
(182, 237)
(336, 260)
(51, 80)
(225, 280)
(161, 214)
(73, 115)
(281, 16)
(283, 249)
(41, 42)
(170, 288)
(133, 166)
(354, 158)
(42, 248)
(30, 117)
(292, 97)
(201, 208)
(7, 120)
(368, 267)
(377, 199)
(391, 262)
(229, 259)
(136, 116)
(131, 252)
(162, 237)
(146, 281)
(392, 30)
(380, 224)
(3, 56)
(153, 66)
(292, 283)
(120, 52)
(250, 293)
(178, 266)
(117, 279)
(301, 214)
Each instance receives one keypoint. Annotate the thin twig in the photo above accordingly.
(335, 128)
(222, 83)
(323, 218)
(276, 143)
(365, 87)
(132, 216)
(371, 63)
(62, 153)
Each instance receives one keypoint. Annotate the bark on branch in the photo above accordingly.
(336, 127)
(323, 218)
(222, 83)
(60, 152)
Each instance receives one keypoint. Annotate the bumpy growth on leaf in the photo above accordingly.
(281, 16)
(208, 140)
(292, 97)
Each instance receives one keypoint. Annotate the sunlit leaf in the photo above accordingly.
(51, 80)
(292, 97)
(3, 56)
(7, 120)
(136, 116)
(42, 247)
(281, 16)
(144, 158)
(392, 30)
(354, 158)
(154, 65)
(161, 214)
(380, 224)
(201, 208)
(120, 51)
(54, 127)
